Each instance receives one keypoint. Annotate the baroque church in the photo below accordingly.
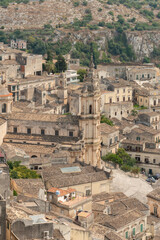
(47, 139)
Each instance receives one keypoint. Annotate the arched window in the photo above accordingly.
(90, 109)
(33, 156)
(4, 108)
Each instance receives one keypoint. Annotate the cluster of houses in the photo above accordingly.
(52, 124)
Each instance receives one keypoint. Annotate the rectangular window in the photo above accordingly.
(15, 129)
(88, 192)
(42, 132)
(116, 139)
(71, 134)
(137, 77)
(28, 130)
(129, 99)
(126, 235)
(141, 227)
(123, 99)
(138, 138)
(124, 90)
(134, 231)
(155, 211)
(117, 99)
(110, 141)
(56, 133)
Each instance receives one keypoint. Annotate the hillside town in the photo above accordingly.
(79, 154)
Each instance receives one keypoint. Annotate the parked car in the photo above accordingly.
(151, 180)
(157, 176)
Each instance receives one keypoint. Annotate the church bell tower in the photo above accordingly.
(90, 118)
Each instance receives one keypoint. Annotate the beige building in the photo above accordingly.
(149, 98)
(84, 179)
(110, 139)
(3, 129)
(150, 119)
(154, 202)
(6, 101)
(117, 100)
(68, 201)
(142, 73)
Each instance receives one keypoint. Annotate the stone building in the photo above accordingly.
(125, 217)
(3, 129)
(25, 224)
(117, 100)
(79, 135)
(151, 119)
(147, 97)
(146, 72)
(86, 180)
(110, 139)
(20, 64)
(154, 202)
(2, 218)
(6, 101)
(142, 143)
(68, 202)
(18, 43)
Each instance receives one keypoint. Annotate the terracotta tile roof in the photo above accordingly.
(61, 191)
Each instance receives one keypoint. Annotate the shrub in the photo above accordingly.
(125, 168)
(111, 13)
(15, 193)
(146, 60)
(99, 9)
(84, 3)
(106, 120)
(76, 4)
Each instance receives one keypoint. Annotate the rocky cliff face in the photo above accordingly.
(143, 42)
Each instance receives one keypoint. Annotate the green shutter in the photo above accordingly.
(134, 231)
(126, 235)
(141, 227)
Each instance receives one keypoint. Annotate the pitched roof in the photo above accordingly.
(120, 220)
(105, 128)
(44, 117)
(29, 186)
(155, 194)
(60, 179)
(112, 236)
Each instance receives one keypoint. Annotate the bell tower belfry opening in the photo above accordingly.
(90, 118)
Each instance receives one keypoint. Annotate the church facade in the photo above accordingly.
(50, 138)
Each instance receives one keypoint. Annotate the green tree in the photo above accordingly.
(49, 67)
(60, 65)
(81, 73)
(146, 60)
(106, 120)
(125, 157)
(111, 157)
